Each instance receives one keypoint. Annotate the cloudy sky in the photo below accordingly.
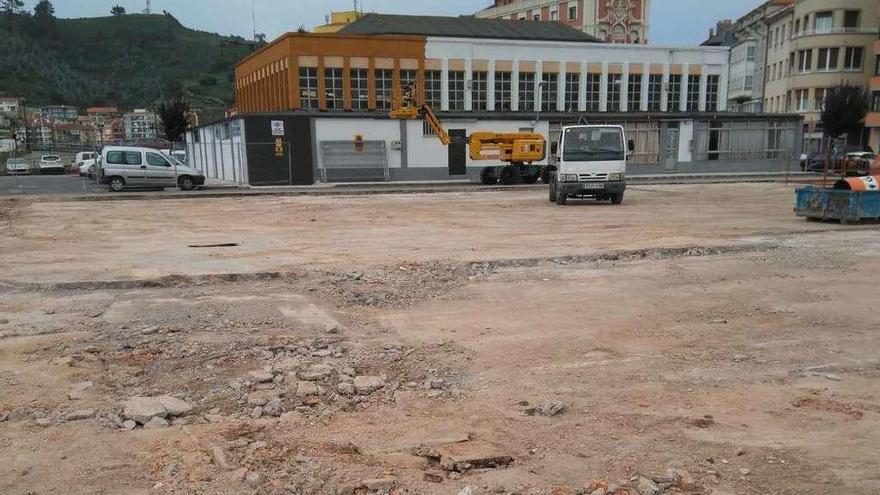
(673, 22)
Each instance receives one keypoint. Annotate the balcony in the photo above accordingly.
(835, 31)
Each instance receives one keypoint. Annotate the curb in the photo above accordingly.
(439, 188)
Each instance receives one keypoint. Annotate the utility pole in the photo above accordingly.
(148, 10)
(254, 21)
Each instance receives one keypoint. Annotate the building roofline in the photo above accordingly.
(612, 46)
(335, 36)
(529, 116)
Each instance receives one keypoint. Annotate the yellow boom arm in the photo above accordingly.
(508, 147)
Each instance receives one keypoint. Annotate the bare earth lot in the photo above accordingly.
(700, 338)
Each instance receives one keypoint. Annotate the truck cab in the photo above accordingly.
(590, 162)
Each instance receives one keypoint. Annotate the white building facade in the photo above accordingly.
(580, 77)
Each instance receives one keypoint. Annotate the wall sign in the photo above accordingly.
(279, 148)
(277, 127)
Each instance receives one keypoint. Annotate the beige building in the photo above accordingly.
(338, 20)
(814, 45)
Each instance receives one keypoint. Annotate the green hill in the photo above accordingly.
(130, 60)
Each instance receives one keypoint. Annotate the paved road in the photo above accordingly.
(47, 184)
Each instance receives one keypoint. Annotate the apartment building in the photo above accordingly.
(872, 122)
(749, 37)
(60, 113)
(612, 21)
(813, 45)
(139, 124)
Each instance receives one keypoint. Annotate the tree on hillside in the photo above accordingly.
(12, 7)
(118, 10)
(44, 15)
(843, 112)
(173, 117)
(44, 10)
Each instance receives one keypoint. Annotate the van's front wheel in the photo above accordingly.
(186, 183)
(117, 184)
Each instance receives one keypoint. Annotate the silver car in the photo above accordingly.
(130, 166)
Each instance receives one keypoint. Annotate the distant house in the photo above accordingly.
(105, 113)
(113, 131)
(74, 133)
(60, 112)
(9, 104)
(139, 124)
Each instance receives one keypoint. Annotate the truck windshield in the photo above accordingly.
(584, 144)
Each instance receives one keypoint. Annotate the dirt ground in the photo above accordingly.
(698, 339)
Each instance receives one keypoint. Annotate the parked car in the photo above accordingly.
(179, 154)
(815, 162)
(125, 167)
(17, 166)
(860, 160)
(87, 169)
(82, 161)
(51, 164)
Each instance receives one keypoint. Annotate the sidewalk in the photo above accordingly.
(219, 189)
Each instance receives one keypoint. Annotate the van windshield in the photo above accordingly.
(585, 144)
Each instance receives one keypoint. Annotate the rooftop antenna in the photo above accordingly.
(148, 10)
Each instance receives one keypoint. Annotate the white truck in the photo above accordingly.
(590, 162)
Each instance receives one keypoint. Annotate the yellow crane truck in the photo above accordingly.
(518, 150)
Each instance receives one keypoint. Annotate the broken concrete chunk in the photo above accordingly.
(129, 425)
(79, 415)
(273, 408)
(156, 422)
(260, 376)
(345, 388)
(62, 361)
(315, 372)
(433, 476)
(304, 389)
(366, 384)
(142, 409)
(380, 485)
(646, 486)
(476, 454)
(261, 397)
(174, 406)
(548, 409)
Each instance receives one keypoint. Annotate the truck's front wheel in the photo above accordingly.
(561, 198)
(617, 198)
(553, 191)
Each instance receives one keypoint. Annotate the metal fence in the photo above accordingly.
(350, 161)
(221, 161)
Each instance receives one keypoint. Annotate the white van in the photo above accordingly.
(130, 166)
(590, 162)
